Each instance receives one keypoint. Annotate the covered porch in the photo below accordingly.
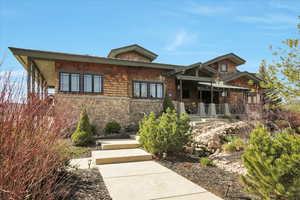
(206, 97)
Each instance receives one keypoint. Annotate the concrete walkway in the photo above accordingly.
(146, 180)
(128, 179)
(149, 180)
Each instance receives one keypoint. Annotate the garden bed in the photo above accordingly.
(213, 179)
(87, 184)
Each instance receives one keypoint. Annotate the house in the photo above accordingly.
(128, 83)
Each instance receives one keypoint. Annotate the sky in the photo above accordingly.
(180, 32)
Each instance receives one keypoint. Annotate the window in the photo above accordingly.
(64, 82)
(147, 90)
(224, 67)
(92, 83)
(75, 82)
(69, 82)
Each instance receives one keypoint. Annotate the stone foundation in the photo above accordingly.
(102, 109)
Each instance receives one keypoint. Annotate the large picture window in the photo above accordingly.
(74, 82)
(147, 90)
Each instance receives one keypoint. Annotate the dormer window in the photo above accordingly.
(223, 67)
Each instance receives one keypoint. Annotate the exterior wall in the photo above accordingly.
(231, 66)
(116, 102)
(117, 80)
(243, 82)
(132, 55)
(103, 109)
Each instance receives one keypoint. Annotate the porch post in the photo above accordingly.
(28, 76)
(180, 90)
(33, 79)
(181, 104)
(211, 93)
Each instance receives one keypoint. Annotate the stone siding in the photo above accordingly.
(101, 109)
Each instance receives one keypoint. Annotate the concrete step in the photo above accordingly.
(120, 156)
(118, 144)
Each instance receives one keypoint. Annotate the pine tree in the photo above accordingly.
(83, 133)
(273, 165)
(167, 103)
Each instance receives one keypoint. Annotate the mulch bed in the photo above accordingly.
(213, 179)
(87, 184)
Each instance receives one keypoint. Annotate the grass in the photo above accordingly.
(206, 162)
(74, 151)
(234, 144)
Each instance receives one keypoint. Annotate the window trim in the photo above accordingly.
(148, 83)
(81, 82)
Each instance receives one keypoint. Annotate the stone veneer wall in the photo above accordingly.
(102, 109)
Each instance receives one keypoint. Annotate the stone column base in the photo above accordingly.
(201, 109)
(212, 110)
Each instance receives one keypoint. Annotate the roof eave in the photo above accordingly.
(47, 55)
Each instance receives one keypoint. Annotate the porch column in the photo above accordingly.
(212, 110)
(211, 93)
(226, 109)
(201, 109)
(33, 78)
(181, 108)
(29, 70)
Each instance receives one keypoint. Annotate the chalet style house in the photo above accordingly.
(127, 83)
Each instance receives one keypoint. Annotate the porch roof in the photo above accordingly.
(194, 78)
(218, 85)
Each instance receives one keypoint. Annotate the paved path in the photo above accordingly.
(147, 180)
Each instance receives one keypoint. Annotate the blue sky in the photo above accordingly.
(180, 32)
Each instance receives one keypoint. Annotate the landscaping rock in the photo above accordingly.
(209, 136)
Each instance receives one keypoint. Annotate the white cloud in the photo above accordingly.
(270, 19)
(180, 39)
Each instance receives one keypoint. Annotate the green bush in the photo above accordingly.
(166, 134)
(112, 127)
(167, 103)
(206, 162)
(273, 165)
(234, 144)
(83, 133)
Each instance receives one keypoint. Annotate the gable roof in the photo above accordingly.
(137, 48)
(230, 77)
(230, 56)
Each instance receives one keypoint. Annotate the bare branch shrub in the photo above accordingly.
(32, 158)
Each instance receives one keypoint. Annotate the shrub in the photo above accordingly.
(166, 134)
(31, 165)
(234, 144)
(273, 165)
(167, 103)
(83, 133)
(94, 129)
(112, 127)
(206, 162)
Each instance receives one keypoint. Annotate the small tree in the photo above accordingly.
(166, 134)
(273, 165)
(167, 103)
(83, 133)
